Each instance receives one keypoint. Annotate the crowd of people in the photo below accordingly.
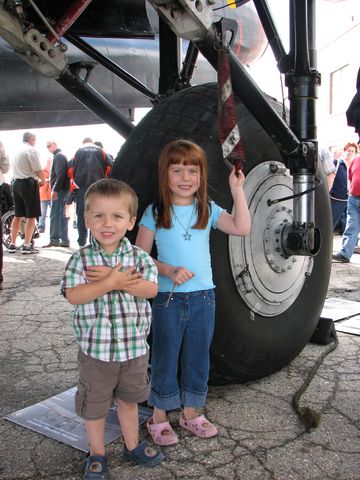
(345, 200)
(340, 166)
(53, 187)
(109, 281)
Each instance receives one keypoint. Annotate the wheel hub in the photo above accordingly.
(267, 280)
(278, 217)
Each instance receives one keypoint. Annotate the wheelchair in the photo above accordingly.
(6, 220)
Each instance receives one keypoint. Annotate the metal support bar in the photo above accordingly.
(45, 21)
(312, 34)
(291, 32)
(252, 97)
(110, 65)
(169, 59)
(188, 65)
(95, 102)
(303, 79)
(271, 33)
(302, 61)
(69, 17)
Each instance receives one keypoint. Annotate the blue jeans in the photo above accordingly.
(58, 221)
(352, 228)
(80, 206)
(337, 209)
(45, 204)
(182, 331)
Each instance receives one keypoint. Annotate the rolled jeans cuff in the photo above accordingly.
(165, 402)
(174, 401)
(193, 399)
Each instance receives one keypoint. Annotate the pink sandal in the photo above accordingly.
(199, 426)
(161, 433)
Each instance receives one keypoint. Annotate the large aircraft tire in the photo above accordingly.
(256, 333)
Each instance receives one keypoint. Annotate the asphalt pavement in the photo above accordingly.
(260, 436)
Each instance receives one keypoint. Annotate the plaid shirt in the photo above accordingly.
(113, 327)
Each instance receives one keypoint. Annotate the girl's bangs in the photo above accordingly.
(186, 157)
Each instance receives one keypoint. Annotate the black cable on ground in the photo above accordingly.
(308, 416)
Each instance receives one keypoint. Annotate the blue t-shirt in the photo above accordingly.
(193, 254)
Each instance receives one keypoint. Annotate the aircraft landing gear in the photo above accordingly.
(268, 303)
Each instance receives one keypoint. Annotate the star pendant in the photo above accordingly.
(187, 236)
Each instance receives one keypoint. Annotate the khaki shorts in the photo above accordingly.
(100, 382)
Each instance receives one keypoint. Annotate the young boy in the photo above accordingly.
(108, 282)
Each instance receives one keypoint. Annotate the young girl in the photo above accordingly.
(184, 309)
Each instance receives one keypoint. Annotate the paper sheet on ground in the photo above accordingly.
(56, 418)
(345, 314)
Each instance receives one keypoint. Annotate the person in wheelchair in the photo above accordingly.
(7, 199)
(4, 168)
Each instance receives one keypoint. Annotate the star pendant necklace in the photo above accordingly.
(186, 235)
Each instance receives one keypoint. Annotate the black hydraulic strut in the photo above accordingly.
(302, 80)
(297, 143)
(95, 102)
(110, 65)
